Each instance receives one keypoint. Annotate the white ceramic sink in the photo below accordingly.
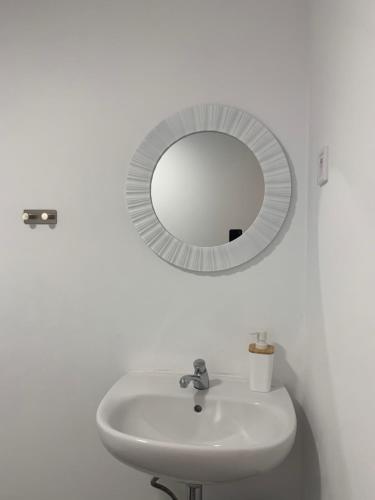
(148, 422)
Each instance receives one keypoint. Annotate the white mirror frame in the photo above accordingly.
(277, 180)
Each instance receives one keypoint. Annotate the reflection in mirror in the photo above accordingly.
(207, 189)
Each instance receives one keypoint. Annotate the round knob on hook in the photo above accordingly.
(25, 216)
(44, 216)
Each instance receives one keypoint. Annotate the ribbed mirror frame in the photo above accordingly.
(277, 179)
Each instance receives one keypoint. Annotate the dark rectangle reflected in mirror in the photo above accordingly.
(234, 234)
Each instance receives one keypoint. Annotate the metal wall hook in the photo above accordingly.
(42, 216)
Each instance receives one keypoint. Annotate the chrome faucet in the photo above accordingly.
(200, 378)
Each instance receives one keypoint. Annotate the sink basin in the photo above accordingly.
(224, 434)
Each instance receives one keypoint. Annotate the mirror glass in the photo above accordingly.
(207, 188)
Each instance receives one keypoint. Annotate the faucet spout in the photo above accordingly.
(186, 379)
(200, 378)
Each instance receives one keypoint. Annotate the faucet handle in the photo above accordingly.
(200, 366)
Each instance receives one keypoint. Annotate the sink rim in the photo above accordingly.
(108, 404)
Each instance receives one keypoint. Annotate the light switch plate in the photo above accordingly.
(323, 166)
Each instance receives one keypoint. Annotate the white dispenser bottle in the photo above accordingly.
(261, 356)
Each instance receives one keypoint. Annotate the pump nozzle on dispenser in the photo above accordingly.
(261, 340)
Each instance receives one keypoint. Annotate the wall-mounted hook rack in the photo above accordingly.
(42, 216)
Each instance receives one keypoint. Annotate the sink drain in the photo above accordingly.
(198, 408)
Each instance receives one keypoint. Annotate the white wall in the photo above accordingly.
(339, 396)
(81, 83)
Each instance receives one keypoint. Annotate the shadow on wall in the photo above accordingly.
(322, 443)
(310, 477)
(305, 445)
(283, 373)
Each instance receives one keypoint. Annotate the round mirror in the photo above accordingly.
(207, 188)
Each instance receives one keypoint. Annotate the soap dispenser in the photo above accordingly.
(261, 355)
